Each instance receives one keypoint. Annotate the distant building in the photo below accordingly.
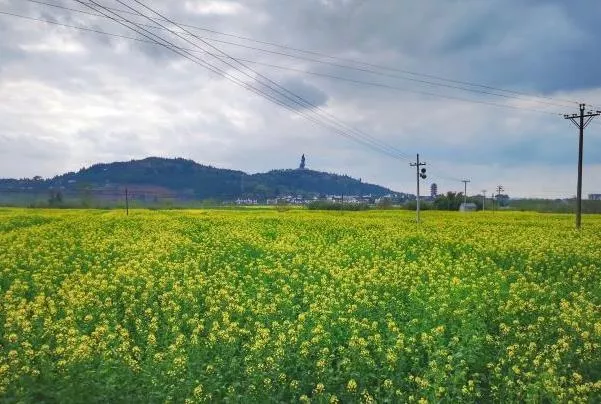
(468, 207)
(594, 197)
(302, 163)
(433, 191)
(240, 201)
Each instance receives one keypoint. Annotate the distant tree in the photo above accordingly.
(85, 190)
(56, 198)
(476, 201)
(423, 205)
(384, 203)
(450, 201)
(261, 191)
(200, 181)
(453, 200)
(502, 200)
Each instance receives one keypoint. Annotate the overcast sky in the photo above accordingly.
(70, 98)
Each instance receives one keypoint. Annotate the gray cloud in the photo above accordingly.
(73, 98)
(294, 92)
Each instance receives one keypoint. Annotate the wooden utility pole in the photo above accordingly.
(126, 203)
(465, 192)
(419, 174)
(581, 121)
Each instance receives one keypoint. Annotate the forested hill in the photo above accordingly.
(200, 181)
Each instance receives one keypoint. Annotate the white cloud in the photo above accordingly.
(215, 7)
(54, 43)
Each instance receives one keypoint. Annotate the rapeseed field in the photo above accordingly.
(266, 306)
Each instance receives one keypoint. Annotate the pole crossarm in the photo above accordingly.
(573, 120)
(589, 119)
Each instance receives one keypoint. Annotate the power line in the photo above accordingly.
(275, 66)
(169, 45)
(321, 54)
(457, 84)
(126, 37)
(324, 75)
(401, 89)
(78, 27)
(266, 80)
(354, 61)
(234, 79)
(154, 42)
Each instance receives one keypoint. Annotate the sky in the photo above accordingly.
(71, 98)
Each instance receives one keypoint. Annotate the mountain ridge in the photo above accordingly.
(198, 181)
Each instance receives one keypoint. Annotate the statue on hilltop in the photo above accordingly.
(302, 163)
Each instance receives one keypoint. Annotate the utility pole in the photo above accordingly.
(499, 190)
(419, 174)
(581, 121)
(126, 203)
(465, 192)
(483, 199)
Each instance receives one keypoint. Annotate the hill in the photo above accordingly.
(186, 179)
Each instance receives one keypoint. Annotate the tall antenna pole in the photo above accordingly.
(419, 174)
(581, 123)
(465, 192)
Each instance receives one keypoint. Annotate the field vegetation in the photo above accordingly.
(265, 306)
